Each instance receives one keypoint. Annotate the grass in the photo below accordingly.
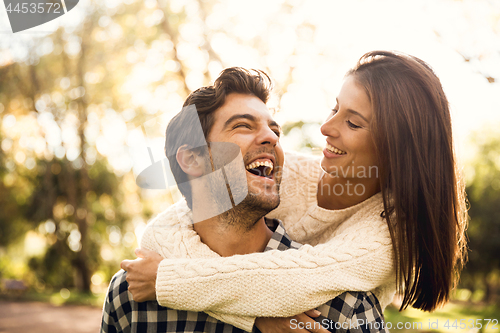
(454, 317)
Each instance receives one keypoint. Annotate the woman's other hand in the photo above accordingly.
(141, 274)
(301, 323)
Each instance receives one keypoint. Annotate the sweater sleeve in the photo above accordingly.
(280, 283)
(166, 236)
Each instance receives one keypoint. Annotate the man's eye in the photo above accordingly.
(351, 125)
(278, 133)
(241, 126)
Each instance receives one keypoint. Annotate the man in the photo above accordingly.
(232, 111)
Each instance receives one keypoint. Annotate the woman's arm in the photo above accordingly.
(280, 283)
(141, 277)
(169, 235)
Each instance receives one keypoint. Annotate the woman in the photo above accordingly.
(386, 213)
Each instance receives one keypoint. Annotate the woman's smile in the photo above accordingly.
(334, 149)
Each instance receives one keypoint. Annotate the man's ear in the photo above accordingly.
(190, 162)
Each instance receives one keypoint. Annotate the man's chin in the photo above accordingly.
(266, 202)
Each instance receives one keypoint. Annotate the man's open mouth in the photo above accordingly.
(262, 168)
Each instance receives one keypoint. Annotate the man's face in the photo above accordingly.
(245, 120)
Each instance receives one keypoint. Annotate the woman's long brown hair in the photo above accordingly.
(424, 198)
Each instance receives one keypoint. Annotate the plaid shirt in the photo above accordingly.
(350, 312)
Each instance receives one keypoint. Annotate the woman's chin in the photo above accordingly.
(328, 166)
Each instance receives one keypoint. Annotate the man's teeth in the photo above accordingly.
(269, 166)
(335, 150)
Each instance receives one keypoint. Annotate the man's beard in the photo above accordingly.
(245, 213)
(248, 212)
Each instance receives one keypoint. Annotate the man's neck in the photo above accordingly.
(230, 239)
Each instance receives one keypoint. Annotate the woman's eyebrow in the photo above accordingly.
(356, 113)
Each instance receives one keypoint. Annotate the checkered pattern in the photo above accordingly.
(353, 312)
(122, 314)
(280, 239)
(341, 314)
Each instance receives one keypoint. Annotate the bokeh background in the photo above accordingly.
(73, 90)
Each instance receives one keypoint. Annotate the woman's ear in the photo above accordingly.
(190, 162)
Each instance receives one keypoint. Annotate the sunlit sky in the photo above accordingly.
(336, 34)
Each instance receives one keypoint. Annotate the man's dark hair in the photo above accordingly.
(207, 100)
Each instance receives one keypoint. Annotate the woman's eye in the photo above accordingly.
(334, 111)
(351, 125)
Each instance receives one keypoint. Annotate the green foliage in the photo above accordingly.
(466, 311)
(82, 206)
(482, 270)
(54, 269)
(301, 129)
(12, 225)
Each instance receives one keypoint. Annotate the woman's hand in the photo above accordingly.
(141, 274)
(301, 323)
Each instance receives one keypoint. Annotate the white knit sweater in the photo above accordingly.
(354, 254)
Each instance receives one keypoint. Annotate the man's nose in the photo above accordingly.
(268, 136)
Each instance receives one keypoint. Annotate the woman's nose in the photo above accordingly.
(330, 127)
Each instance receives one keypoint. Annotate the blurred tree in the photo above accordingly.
(65, 179)
(11, 224)
(306, 142)
(54, 201)
(484, 228)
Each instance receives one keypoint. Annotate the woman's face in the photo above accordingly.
(350, 150)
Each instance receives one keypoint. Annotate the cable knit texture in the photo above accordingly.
(352, 252)
(172, 236)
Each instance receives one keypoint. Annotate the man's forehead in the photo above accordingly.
(247, 107)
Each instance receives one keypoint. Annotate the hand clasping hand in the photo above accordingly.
(141, 274)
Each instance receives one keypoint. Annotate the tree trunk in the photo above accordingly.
(80, 185)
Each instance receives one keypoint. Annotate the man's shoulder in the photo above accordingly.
(166, 225)
(175, 215)
(171, 235)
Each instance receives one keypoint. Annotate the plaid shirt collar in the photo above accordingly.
(280, 239)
